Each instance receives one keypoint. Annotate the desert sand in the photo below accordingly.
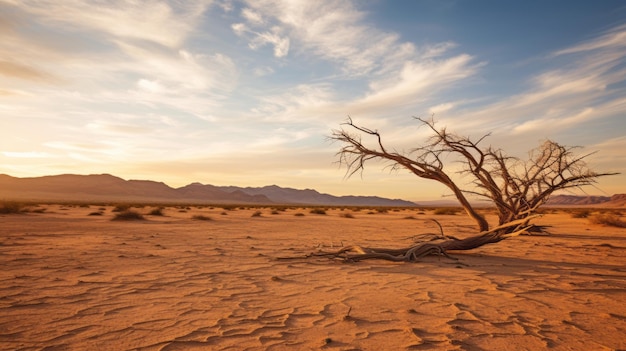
(70, 281)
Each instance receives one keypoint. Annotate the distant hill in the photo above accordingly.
(617, 200)
(312, 197)
(106, 187)
(577, 200)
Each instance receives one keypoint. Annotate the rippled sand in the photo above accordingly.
(70, 281)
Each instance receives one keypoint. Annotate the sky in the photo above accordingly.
(247, 93)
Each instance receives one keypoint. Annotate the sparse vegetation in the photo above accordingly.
(257, 214)
(95, 213)
(581, 214)
(347, 215)
(319, 211)
(128, 215)
(608, 219)
(202, 218)
(299, 214)
(11, 207)
(156, 212)
(121, 208)
(450, 211)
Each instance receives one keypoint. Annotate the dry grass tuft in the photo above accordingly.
(156, 212)
(581, 214)
(10, 207)
(610, 219)
(128, 215)
(202, 218)
(121, 208)
(451, 211)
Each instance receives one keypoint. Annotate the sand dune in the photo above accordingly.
(76, 282)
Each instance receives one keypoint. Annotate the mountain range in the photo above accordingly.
(106, 187)
(617, 200)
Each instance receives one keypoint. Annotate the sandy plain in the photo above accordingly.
(70, 281)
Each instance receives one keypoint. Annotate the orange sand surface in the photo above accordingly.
(70, 281)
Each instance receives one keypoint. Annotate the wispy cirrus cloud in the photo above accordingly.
(334, 31)
(383, 72)
(164, 22)
(585, 84)
(136, 55)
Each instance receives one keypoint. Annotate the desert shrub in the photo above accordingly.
(274, 212)
(319, 211)
(581, 214)
(446, 211)
(121, 208)
(202, 218)
(156, 212)
(382, 210)
(229, 207)
(347, 215)
(38, 210)
(128, 215)
(409, 217)
(95, 214)
(299, 214)
(257, 214)
(224, 213)
(12, 207)
(610, 219)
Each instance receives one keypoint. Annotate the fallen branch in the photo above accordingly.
(430, 248)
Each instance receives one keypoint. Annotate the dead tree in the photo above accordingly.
(516, 187)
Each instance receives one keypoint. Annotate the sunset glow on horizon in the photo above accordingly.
(246, 93)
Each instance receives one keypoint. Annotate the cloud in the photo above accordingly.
(416, 82)
(330, 30)
(382, 73)
(16, 70)
(251, 16)
(441, 108)
(163, 22)
(258, 39)
(25, 154)
(579, 89)
(613, 38)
